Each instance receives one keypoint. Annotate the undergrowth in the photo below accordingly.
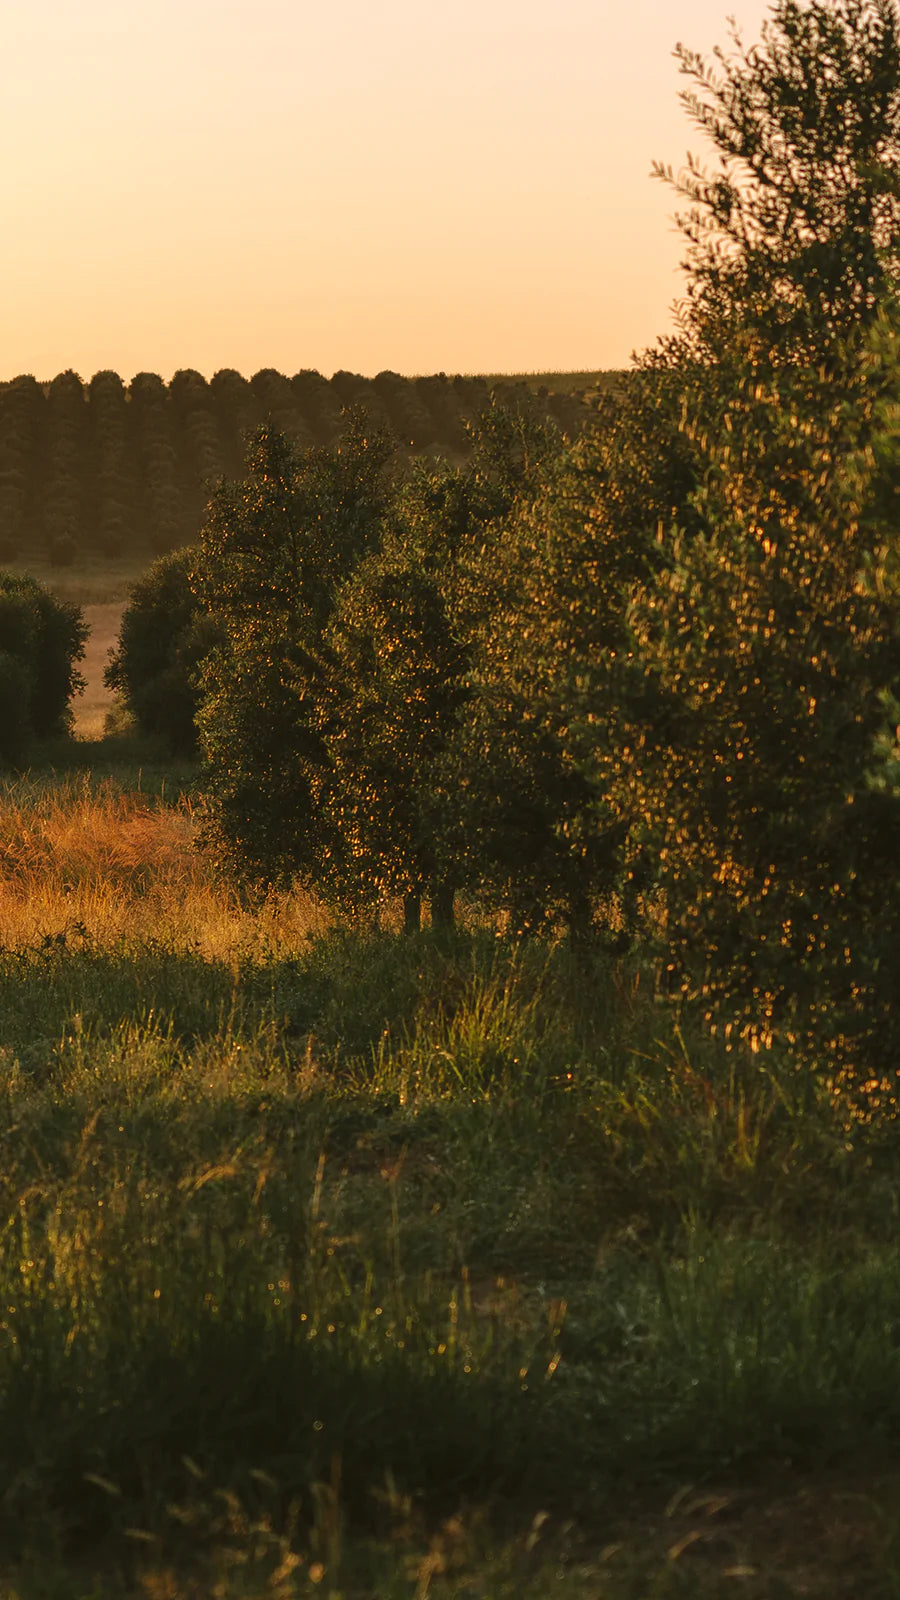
(336, 1262)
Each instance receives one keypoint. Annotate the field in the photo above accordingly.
(94, 705)
(342, 1263)
(339, 1263)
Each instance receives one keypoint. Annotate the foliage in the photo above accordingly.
(769, 647)
(273, 552)
(402, 643)
(44, 638)
(15, 689)
(350, 600)
(393, 693)
(797, 229)
(768, 643)
(709, 643)
(547, 604)
(163, 640)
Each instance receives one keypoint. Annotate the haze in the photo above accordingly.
(460, 188)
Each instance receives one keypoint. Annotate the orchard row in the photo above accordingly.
(110, 468)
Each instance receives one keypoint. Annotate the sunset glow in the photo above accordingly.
(210, 183)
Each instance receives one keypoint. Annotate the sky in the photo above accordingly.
(461, 187)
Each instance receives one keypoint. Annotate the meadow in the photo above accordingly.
(338, 1262)
(344, 1261)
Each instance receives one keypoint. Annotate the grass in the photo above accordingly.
(89, 861)
(338, 1263)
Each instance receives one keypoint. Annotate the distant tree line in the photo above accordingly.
(113, 469)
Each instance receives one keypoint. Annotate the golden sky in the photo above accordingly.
(348, 184)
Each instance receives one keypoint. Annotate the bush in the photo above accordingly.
(14, 694)
(44, 638)
(164, 635)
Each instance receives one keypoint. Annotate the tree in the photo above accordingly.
(164, 637)
(331, 709)
(549, 592)
(726, 701)
(686, 673)
(41, 640)
(113, 491)
(67, 428)
(769, 641)
(273, 553)
(15, 687)
(768, 644)
(394, 691)
(796, 230)
(402, 644)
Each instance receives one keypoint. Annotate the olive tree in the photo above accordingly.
(717, 663)
(273, 553)
(164, 637)
(42, 640)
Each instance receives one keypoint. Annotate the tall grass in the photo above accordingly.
(92, 864)
(352, 1264)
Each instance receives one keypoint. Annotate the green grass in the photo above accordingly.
(354, 1265)
(133, 762)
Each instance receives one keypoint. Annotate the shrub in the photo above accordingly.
(14, 696)
(164, 635)
(46, 638)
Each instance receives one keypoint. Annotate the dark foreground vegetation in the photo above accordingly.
(450, 1119)
(337, 1262)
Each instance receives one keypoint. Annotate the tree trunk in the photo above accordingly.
(443, 908)
(412, 913)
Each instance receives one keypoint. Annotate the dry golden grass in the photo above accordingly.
(119, 866)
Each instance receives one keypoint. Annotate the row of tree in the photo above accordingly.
(644, 684)
(111, 468)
